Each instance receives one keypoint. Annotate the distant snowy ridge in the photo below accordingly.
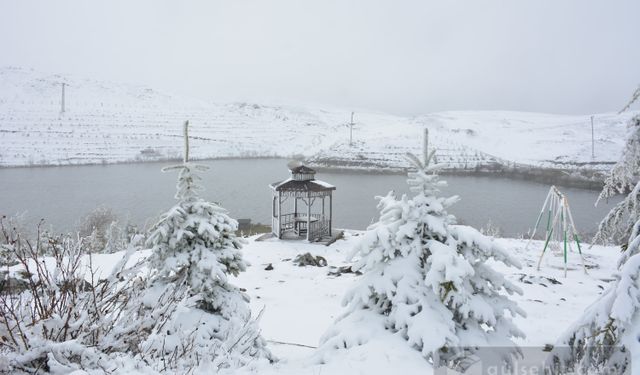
(110, 123)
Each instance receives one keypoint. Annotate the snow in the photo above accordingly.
(107, 123)
(323, 184)
(300, 303)
(116, 123)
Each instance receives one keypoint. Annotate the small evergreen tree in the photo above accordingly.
(427, 280)
(196, 241)
(606, 336)
(194, 315)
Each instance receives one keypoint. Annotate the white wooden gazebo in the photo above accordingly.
(313, 222)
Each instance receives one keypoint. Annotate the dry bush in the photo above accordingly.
(56, 315)
(95, 227)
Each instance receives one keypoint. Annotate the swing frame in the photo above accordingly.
(559, 222)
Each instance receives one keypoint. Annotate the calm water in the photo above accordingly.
(140, 192)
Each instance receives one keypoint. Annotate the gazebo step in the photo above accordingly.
(265, 237)
(328, 240)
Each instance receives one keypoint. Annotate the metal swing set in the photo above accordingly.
(560, 226)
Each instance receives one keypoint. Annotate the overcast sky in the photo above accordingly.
(404, 57)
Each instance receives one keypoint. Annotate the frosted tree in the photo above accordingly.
(605, 337)
(634, 98)
(196, 317)
(623, 178)
(427, 280)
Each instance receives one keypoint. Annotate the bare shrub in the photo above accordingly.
(95, 226)
(59, 314)
(100, 218)
(491, 229)
(55, 311)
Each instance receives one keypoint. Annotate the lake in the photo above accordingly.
(140, 192)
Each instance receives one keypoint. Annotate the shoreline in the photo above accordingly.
(548, 176)
(588, 179)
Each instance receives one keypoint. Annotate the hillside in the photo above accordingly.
(108, 123)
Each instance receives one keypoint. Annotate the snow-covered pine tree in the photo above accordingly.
(607, 335)
(605, 339)
(427, 280)
(198, 318)
(624, 178)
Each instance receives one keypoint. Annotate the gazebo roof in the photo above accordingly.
(302, 169)
(296, 185)
(302, 180)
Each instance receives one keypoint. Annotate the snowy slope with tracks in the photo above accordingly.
(108, 123)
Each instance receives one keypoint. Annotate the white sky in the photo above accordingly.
(405, 57)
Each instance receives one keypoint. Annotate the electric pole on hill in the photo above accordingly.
(62, 101)
(351, 130)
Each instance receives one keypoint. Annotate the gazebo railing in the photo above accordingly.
(298, 223)
(319, 228)
(287, 221)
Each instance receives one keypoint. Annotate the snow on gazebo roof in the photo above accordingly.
(294, 185)
(302, 179)
(303, 169)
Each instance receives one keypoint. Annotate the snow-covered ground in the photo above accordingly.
(107, 122)
(300, 303)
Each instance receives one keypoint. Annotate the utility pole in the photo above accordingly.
(186, 142)
(351, 130)
(62, 101)
(593, 147)
(425, 146)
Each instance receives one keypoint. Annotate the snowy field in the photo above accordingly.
(300, 303)
(107, 123)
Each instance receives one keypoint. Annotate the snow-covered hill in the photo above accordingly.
(107, 123)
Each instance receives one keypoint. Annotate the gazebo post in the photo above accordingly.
(330, 211)
(274, 218)
(322, 218)
(308, 216)
(279, 215)
(295, 207)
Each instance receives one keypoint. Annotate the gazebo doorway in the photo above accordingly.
(301, 206)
